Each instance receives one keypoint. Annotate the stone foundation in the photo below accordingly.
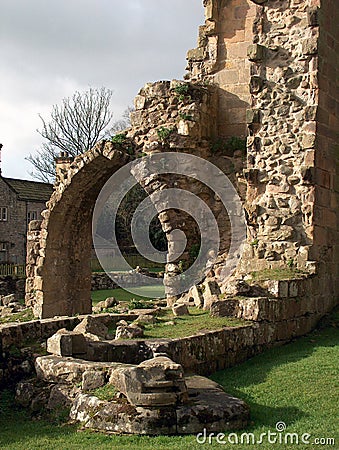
(291, 308)
(154, 397)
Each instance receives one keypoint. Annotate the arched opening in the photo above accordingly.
(66, 238)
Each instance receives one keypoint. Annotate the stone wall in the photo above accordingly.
(291, 65)
(325, 247)
(267, 63)
(284, 104)
(221, 59)
(20, 343)
(190, 112)
(291, 197)
(16, 285)
(292, 310)
(102, 281)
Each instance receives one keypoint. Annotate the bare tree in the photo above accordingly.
(122, 124)
(43, 162)
(74, 127)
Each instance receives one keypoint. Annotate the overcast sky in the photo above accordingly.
(49, 49)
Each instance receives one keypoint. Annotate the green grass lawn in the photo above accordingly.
(198, 320)
(23, 316)
(296, 384)
(123, 296)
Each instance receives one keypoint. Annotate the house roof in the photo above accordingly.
(30, 190)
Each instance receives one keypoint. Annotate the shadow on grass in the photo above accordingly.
(17, 425)
(252, 375)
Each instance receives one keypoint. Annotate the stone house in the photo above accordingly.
(20, 202)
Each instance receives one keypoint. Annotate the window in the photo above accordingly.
(3, 252)
(3, 213)
(32, 215)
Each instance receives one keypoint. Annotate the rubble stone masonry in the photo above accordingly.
(264, 70)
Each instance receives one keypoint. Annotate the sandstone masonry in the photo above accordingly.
(264, 70)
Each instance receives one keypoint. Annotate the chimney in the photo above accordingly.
(62, 165)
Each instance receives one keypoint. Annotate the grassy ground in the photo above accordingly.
(198, 320)
(296, 384)
(97, 296)
(277, 274)
(122, 295)
(23, 316)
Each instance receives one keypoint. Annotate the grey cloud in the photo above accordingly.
(117, 44)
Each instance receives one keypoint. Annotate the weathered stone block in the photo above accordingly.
(129, 332)
(310, 46)
(196, 54)
(206, 396)
(11, 334)
(25, 392)
(60, 397)
(34, 225)
(84, 407)
(211, 290)
(145, 319)
(7, 299)
(67, 343)
(92, 379)
(293, 289)
(57, 369)
(252, 116)
(308, 141)
(256, 84)
(60, 343)
(92, 326)
(277, 288)
(311, 112)
(155, 382)
(110, 302)
(197, 296)
(225, 308)
(139, 102)
(180, 309)
(31, 331)
(255, 52)
(211, 10)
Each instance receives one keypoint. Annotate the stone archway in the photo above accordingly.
(289, 181)
(58, 271)
(59, 247)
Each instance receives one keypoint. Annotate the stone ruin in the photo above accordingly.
(264, 71)
(152, 397)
